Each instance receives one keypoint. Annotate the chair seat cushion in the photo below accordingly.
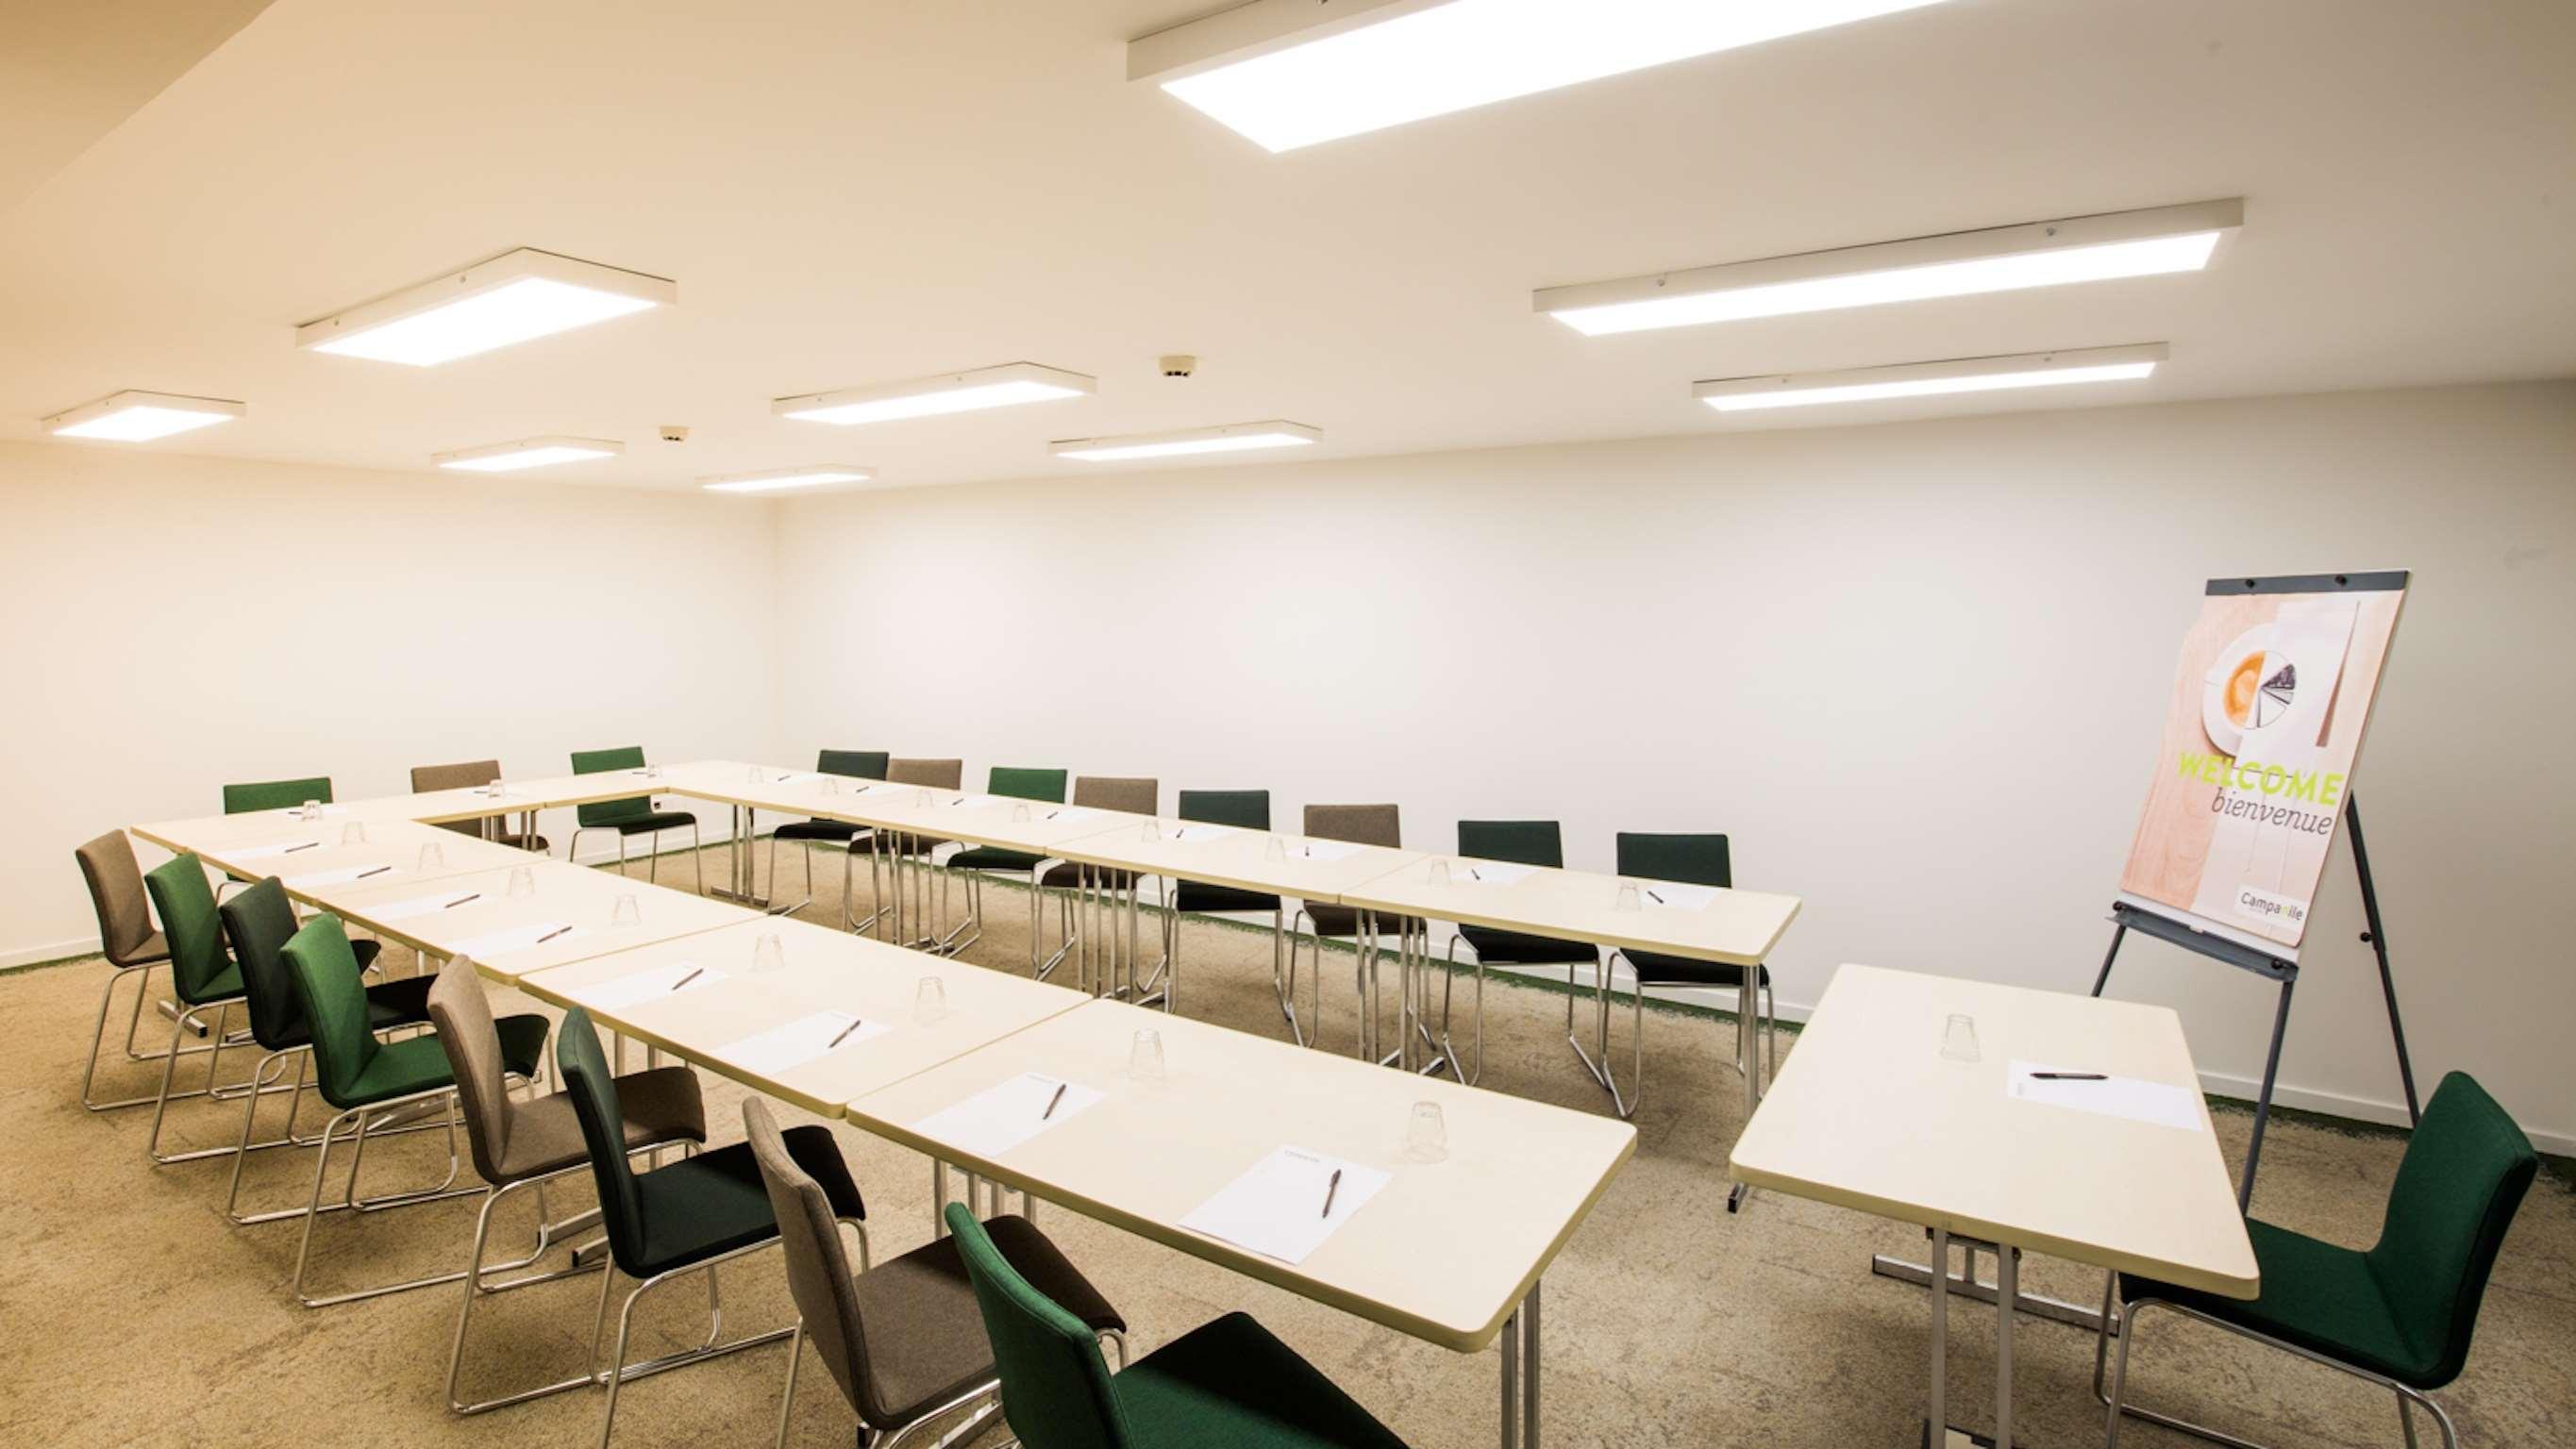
(1516, 948)
(2315, 1295)
(1229, 1384)
(708, 1205)
(926, 1340)
(1660, 970)
(1195, 896)
(653, 822)
(986, 857)
(660, 1104)
(836, 831)
(1067, 875)
(516, 841)
(895, 843)
(226, 985)
(152, 951)
(419, 1063)
(1344, 921)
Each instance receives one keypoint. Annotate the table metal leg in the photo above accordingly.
(1936, 1421)
(1521, 1375)
(2007, 1281)
(740, 886)
(1967, 1284)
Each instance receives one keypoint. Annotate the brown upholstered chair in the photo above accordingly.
(127, 938)
(527, 1143)
(891, 847)
(903, 1339)
(1127, 794)
(471, 775)
(1317, 921)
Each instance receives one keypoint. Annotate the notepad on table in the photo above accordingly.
(374, 870)
(1490, 872)
(519, 938)
(651, 984)
(410, 906)
(1325, 850)
(1200, 832)
(1277, 1208)
(1674, 896)
(2135, 1098)
(808, 1038)
(1003, 1116)
(262, 852)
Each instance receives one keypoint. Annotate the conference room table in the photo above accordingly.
(307, 853)
(1912, 1097)
(567, 913)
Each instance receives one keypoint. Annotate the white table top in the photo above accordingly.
(574, 895)
(1444, 1253)
(1740, 927)
(1868, 1114)
(248, 846)
(1312, 870)
(826, 970)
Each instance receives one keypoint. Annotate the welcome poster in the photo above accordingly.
(2259, 742)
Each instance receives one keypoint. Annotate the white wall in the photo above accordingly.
(177, 622)
(1916, 670)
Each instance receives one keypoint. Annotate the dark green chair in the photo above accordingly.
(1244, 810)
(373, 1085)
(690, 1215)
(841, 835)
(1701, 860)
(1515, 842)
(631, 817)
(275, 794)
(2399, 1315)
(202, 974)
(1046, 787)
(1227, 1384)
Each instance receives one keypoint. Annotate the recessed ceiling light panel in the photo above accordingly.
(953, 392)
(1279, 73)
(1230, 438)
(527, 453)
(139, 417)
(810, 475)
(1930, 379)
(511, 298)
(1997, 259)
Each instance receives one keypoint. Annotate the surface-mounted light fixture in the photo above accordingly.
(1930, 379)
(511, 298)
(527, 453)
(952, 392)
(139, 417)
(771, 480)
(1996, 259)
(1230, 438)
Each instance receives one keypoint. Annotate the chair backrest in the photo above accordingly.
(1014, 783)
(258, 922)
(1133, 794)
(1521, 842)
(610, 812)
(275, 794)
(852, 764)
(937, 774)
(1056, 1390)
(463, 1017)
(188, 922)
(1358, 824)
(465, 775)
(325, 973)
(583, 1068)
(2458, 1187)
(818, 1266)
(1242, 809)
(1691, 859)
(116, 892)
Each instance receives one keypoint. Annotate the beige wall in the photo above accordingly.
(177, 622)
(1916, 671)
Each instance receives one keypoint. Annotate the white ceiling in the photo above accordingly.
(855, 191)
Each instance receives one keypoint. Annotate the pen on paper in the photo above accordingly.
(1474, 874)
(1053, 1102)
(1051, 814)
(1331, 1188)
(460, 900)
(1658, 900)
(692, 976)
(844, 1036)
(2068, 1077)
(308, 845)
(379, 870)
(550, 935)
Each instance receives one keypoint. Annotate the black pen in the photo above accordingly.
(692, 976)
(1053, 814)
(1472, 873)
(379, 870)
(308, 845)
(1331, 1188)
(1052, 1101)
(2068, 1077)
(460, 900)
(550, 935)
(1658, 900)
(844, 1036)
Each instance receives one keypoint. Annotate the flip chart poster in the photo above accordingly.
(2265, 724)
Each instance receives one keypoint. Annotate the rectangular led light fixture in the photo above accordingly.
(513, 297)
(527, 453)
(1291, 73)
(1928, 379)
(811, 475)
(1231, 438)
(139, 417)
(954, 392)
(1997, 259)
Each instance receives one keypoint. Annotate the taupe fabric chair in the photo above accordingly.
(1127, 794)
(904, 1339)
(1318, 920)
(525, 1143)
(888, 845)
(132, 945)
(471, 775)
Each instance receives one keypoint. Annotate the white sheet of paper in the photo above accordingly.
(651, 984)
(807, 1038)
(372, 870)
(970, 802)
(1064, 813)
(795, 778)
(410, 906)
(2130, 1097)
(1325, 850)
(1277, 1208)
(263, 852)
(1003, 1116)
(1200, 832)
(296, 812)
(1490, 872)
(1675, 895)
(517, 938)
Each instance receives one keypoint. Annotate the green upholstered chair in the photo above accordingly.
(473, 775)
(132, 945)
(1244, 810)
(1700, 860)
(840, 835)
(373, 1084)
(684, 1217)
(1320, 921)
(1227, 1384)
(633, 816)
(1127, 795)
(275, 794)
(2399, 1314)
(903, 1341)
(975, 862)
(202, 974)
(258, 922)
